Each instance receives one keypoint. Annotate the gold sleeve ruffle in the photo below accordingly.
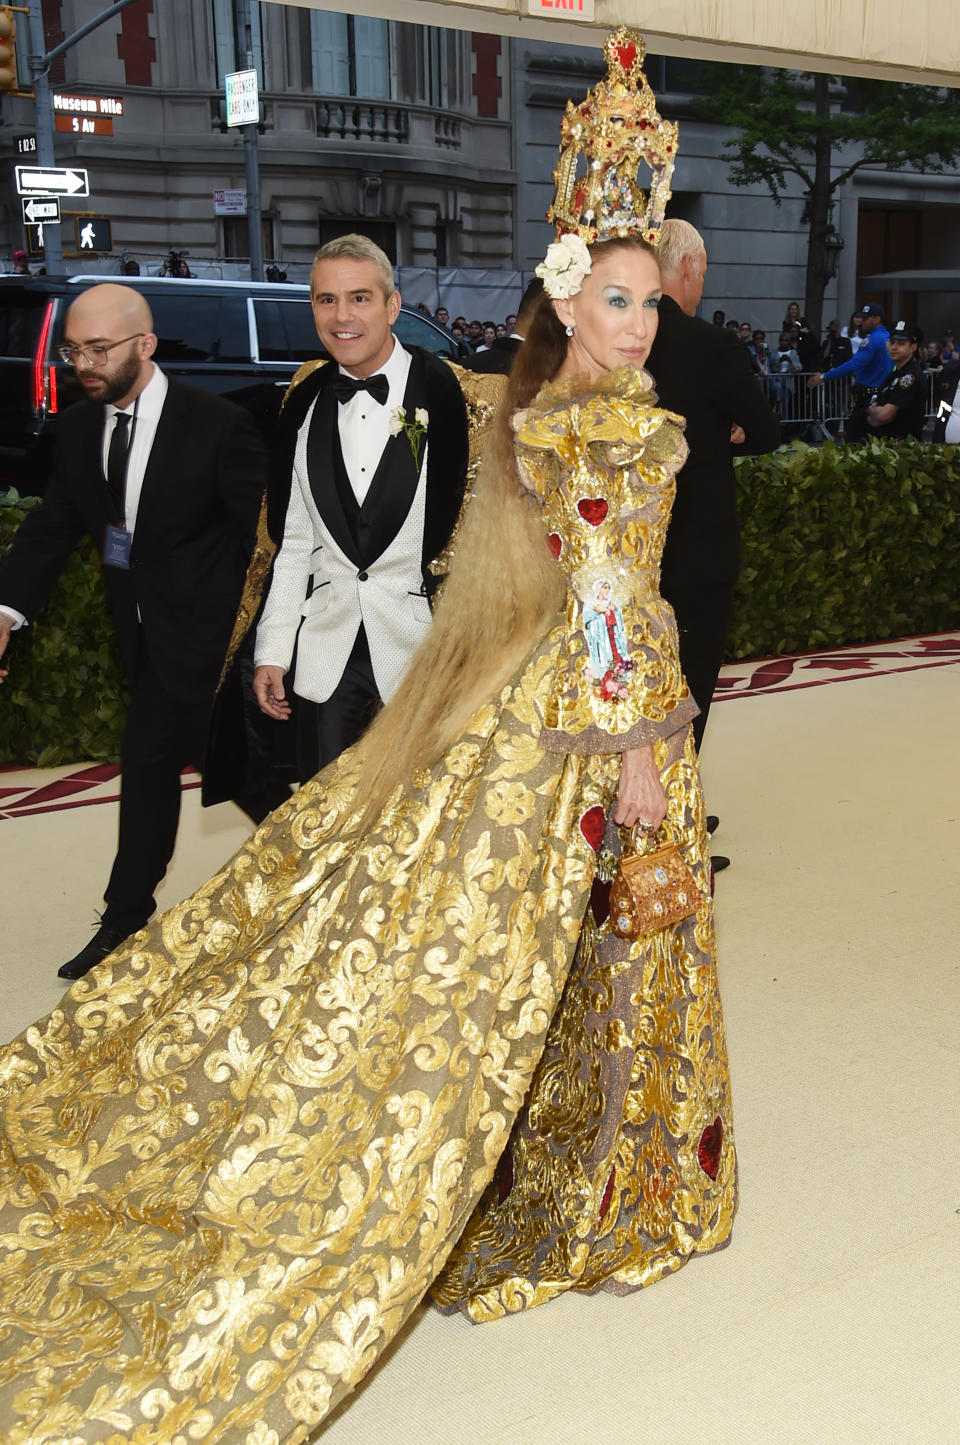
(601, 457)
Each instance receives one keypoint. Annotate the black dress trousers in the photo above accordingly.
(326, 729)
(703, 620)
(162, 735)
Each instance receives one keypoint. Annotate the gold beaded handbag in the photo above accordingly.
(651, 890)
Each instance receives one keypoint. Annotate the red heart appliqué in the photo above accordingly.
(555, 543)
(708, 1150)
(626, 54)
(592, 509)
(592, 824)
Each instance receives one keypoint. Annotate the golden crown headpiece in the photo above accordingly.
(614, 131)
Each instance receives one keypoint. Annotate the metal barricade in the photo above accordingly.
(818, 413)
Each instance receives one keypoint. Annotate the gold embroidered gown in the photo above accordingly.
(240, 1152)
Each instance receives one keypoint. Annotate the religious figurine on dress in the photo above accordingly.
(394, 1047)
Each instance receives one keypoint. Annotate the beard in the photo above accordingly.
(111, 388)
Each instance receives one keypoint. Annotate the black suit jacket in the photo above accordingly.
(194, 535)
(704, 373)
(499, 357)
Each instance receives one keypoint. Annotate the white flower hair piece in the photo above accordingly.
(564, 267)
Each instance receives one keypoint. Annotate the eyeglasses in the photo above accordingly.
(92, 355)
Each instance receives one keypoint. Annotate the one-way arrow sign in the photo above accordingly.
(36, 210)
(51, 181)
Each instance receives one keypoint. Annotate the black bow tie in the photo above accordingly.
(345, 387)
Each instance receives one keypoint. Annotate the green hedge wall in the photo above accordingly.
(64, 696)
(840, 545)
(845, 545)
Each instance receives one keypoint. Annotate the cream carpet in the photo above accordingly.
(834, 1316)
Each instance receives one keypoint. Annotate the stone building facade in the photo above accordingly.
(400, 130)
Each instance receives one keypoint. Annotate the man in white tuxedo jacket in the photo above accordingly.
(373, 455)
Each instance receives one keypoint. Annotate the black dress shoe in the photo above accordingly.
(718, 862)
(713, 823)
(107, 937)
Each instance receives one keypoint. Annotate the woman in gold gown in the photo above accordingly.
(242, 1150)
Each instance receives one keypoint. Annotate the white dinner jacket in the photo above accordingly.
(386, 597)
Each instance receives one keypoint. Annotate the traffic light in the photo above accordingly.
(8, 53)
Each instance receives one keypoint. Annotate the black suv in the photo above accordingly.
(241, 339)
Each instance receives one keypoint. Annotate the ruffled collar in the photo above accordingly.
(626, 383)
(630, 383)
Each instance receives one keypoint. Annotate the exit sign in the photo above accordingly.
(563, 9)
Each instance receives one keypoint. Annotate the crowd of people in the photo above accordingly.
(783, 367)
(801, 360)
(480, 336)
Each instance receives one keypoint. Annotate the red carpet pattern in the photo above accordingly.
(24, 791)
(844, 664)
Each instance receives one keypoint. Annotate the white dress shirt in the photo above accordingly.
(365, 425)
(148, 407)
(151, 401)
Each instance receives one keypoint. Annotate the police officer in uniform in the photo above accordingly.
(899, 410)
(867, 370)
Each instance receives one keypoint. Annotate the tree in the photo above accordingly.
(823, 128)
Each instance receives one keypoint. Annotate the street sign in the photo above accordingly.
(87, 104)
(37, 209)
(93, 233)
(562, 9)
(25, 145)
(51, 181)
(243, 101)
(84, 124)
(229, 203)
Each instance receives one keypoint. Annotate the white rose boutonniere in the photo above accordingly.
(414, 431)
(564, 267)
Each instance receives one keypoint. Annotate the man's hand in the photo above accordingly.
(737, 435)
(815, 380)
(268, 690)
(6, 627)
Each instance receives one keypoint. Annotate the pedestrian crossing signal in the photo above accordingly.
(94, 234)
(8, 49)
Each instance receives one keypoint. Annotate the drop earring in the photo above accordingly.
(569, 330)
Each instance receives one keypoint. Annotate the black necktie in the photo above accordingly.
(345, 387)
(117, 462)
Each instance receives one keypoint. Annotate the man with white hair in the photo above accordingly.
(704, 373)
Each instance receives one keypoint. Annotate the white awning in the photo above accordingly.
(887, 39)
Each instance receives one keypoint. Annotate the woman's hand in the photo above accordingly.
(641, 796)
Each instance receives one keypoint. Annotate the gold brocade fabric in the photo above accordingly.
(236, 1157)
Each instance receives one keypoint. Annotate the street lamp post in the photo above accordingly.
(244, 43)
(39, 63)
(833, 245)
